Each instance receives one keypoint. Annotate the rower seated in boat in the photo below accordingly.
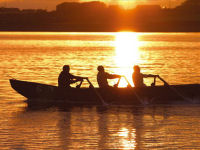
(137, 77)
(102, 77)
(66, 78)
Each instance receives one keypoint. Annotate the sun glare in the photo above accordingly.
(127, 138)
(126, 4)
(127, 54)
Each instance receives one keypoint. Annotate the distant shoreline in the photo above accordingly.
(96, 31)
(96, 16)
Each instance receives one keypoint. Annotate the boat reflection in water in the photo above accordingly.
(87, 127)
(111, 128)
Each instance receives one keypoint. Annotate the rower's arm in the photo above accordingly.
(149, 75)
(112, 76)
(78, 78)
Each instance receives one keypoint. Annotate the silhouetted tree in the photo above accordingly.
(190, 5)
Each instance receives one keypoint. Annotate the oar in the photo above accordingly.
(118, 82)
(127, 81)
(137, 96)
(97, 93)
(175, 90)
(78, 86)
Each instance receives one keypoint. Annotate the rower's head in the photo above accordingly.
(136, 68)
(66, 68)
(100, 68)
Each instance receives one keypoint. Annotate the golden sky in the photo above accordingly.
(50, 4)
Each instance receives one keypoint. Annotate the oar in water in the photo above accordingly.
(175, 90)
(97, 93)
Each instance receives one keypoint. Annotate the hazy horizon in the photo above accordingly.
(51, 4)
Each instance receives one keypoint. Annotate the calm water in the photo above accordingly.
(39, 57)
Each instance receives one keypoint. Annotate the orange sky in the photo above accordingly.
(50, 4)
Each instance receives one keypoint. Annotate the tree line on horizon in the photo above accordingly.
(97, 16)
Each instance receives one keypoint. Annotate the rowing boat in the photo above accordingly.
(163, 94)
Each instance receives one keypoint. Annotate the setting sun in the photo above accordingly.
(127, 4)
(127, 53)
(126, 45)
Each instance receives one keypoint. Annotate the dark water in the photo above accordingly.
(39, 57)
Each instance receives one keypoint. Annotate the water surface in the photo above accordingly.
(39, 57)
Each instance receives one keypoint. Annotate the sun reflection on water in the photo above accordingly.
(127, 54)
(128, 138)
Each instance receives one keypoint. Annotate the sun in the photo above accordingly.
(126, 47)
(126, 4)
(127, 53)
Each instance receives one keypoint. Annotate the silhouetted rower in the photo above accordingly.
(102, 77)
(65, 78)
(137, 77)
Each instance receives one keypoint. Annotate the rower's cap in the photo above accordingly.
(136, 68)
(100, 68)
(66, 67)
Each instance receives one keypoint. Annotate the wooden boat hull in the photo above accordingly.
(42, 93)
